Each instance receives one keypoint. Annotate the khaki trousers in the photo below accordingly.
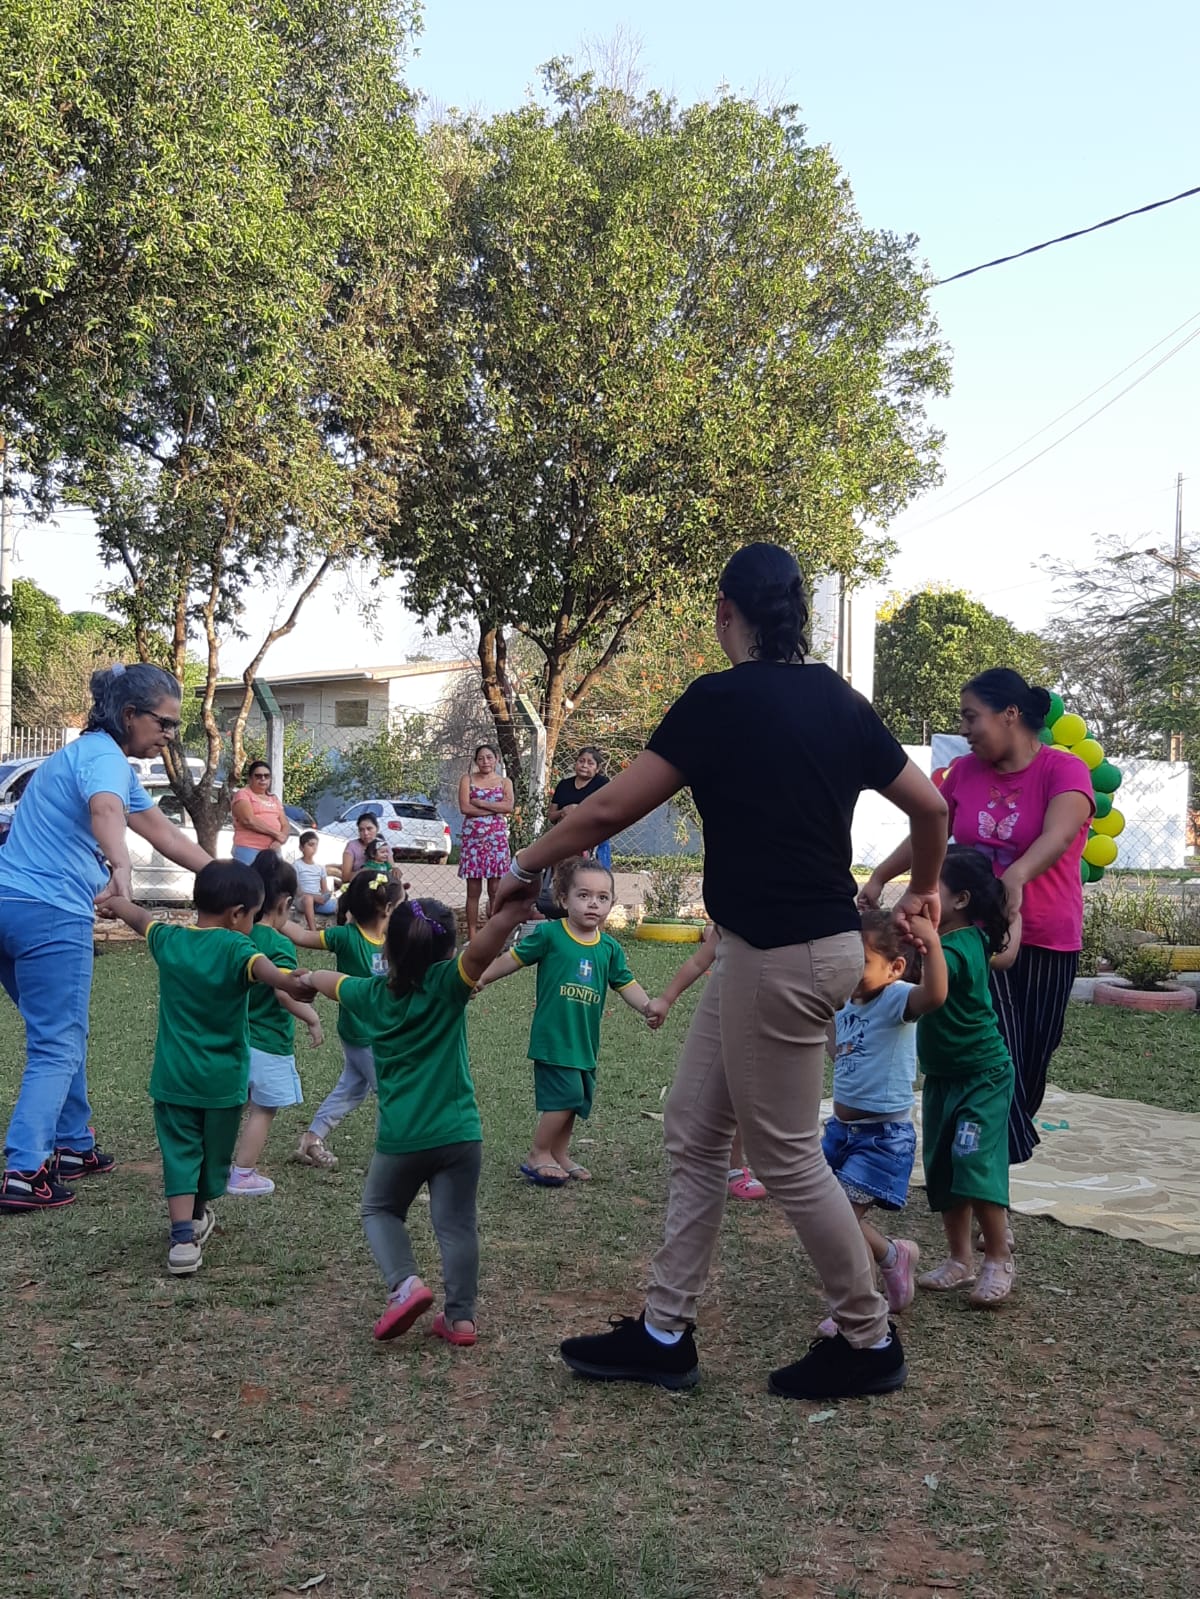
(755, 1058)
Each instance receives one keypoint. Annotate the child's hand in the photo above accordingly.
(301, 986)
(316, 1035)
(656, 1013)
(922, 933)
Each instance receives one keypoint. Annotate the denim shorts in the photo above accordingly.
(873, 1161)
(274, 1080)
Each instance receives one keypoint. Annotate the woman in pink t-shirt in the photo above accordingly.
(1027, 807)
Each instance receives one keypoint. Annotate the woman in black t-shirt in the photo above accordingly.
(776, 750)
(589, 778)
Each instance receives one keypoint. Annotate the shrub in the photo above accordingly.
(1146, 967)
(668, 884)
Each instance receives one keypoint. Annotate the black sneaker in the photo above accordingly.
(69, 1165)
(629, 1354)
(834, 1369)
(33, 1190)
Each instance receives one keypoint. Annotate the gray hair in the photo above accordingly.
(115, 687)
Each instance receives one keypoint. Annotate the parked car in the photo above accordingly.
(410, 823)
(14, 775)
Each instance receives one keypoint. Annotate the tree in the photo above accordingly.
(402, 758)
(663, 332)
(928, 644)
(1126, 655)
(208, 325)
(54, 656)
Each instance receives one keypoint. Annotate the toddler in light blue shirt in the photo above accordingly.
(870, 1141)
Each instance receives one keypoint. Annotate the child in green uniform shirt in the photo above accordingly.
(357, 947)
(274, 1080)
(968, 1084)
(429, 1128)
(202, 1053)
(577, 964)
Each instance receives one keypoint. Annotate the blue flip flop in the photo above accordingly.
(533, 1174)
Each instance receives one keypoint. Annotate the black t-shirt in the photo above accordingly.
(565, 793)
(776, 757)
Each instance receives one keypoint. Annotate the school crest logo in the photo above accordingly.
(379, 964)
(585, 971)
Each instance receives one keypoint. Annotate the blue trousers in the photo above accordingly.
(46, 970)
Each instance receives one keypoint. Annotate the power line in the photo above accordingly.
(1062, 438)
(1062, 238)
(957, 488)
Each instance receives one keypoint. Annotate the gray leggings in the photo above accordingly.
(393, 1181)
(347, 1094)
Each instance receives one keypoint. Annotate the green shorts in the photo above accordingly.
(563, 1088)
(197, 1147)
(964, 1134)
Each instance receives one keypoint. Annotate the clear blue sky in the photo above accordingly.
(982, 131)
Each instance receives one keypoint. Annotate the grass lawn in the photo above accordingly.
(239, 1433)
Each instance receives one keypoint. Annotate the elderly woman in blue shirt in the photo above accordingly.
(65, 854)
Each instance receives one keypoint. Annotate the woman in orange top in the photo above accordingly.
(258, 818)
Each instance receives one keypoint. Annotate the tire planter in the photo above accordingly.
(1184, 957)
(1174, 997)
(670, 932)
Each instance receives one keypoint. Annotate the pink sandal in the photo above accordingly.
(951, 1274)
(442, 1329)
(743, 1184)
(402, 1311)
(994, 1284)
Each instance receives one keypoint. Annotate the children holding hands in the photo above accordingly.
(429, 1130)
(577, 964)
(201, 1071)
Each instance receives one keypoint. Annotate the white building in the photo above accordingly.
(338, 709)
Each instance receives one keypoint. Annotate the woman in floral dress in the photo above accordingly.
(486, 800)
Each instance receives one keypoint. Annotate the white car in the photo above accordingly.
(410, 824)
(158, 881)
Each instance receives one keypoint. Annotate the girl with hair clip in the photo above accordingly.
(430, 1133)
(357, 945)
(274, 1080)
(968, 1084)
(577, 964)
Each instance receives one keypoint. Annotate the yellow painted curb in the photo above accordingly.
(1184, 957)
(668, 933)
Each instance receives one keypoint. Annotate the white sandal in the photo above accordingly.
(993, 1285)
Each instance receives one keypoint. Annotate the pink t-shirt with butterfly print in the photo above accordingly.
(1003, 814)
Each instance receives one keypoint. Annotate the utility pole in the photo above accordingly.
(6, 639)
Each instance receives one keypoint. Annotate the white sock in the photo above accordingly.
(889, 1260)
(734, 1171)
(405, 1288)
(243, 1171)
(883, 1343)
(659, 1336)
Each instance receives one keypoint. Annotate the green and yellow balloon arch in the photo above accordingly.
(1066, 731)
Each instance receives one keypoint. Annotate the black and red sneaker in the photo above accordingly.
(33, 1190)
(69, 1165)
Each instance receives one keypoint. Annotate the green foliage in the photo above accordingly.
(928, 645)
(400, 759)
(54, 656)
(1146, 966)
(669, 881)
(307, 771)
(664, 331)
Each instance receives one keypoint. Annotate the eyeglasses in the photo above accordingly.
(266, 777)
(169, 724)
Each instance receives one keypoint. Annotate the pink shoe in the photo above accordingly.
(442, 1329)
(248, 1182)
(898, 1278)
(828, 1328)
(743, 1184)
(402, 1310)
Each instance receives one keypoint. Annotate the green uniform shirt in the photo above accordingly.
(272, 1029)
(426, 1096)
(963, 1038)
(202, 1053)
(573, 979)
(356, 956)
